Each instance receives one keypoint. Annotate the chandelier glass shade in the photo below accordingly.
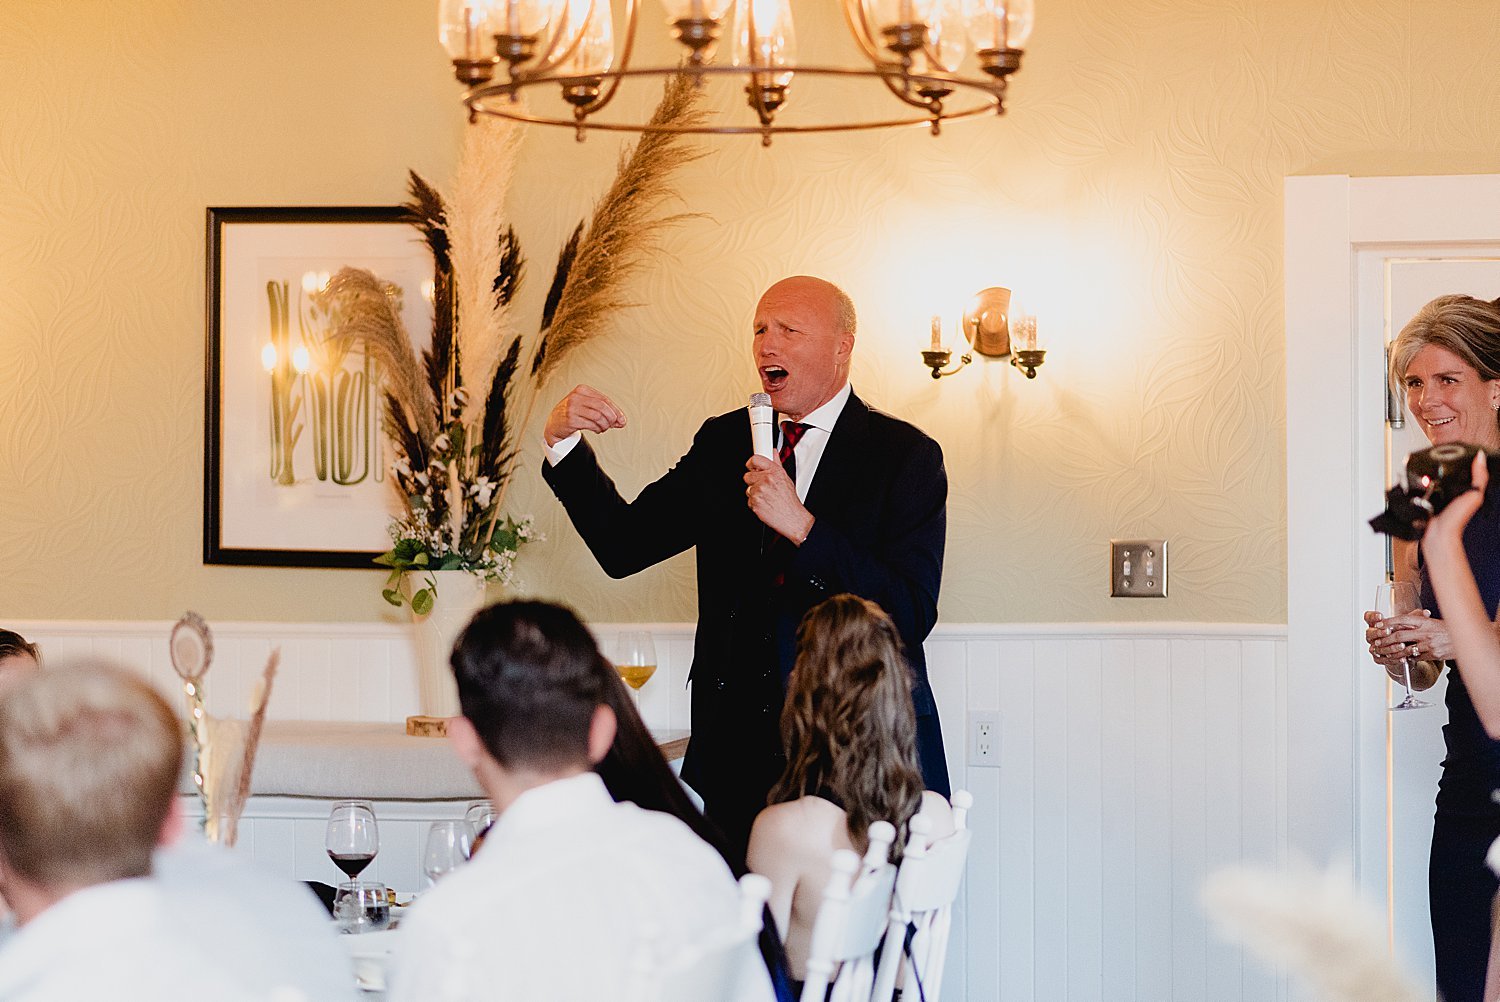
(931, 60)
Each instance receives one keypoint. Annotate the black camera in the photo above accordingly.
(1434, 477)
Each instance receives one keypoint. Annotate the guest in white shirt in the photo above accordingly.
(89, 760)
(570, 887)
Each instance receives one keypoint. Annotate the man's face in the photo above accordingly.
(800, 352)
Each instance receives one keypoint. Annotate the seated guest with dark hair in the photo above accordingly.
(851, 747)
(570, 884)
(89, 761)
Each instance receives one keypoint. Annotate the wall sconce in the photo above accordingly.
(988, 327)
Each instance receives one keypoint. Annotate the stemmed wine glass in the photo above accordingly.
(635, 660)
(480, 815)
(1397, 598)
(352, 839)
(448, 847)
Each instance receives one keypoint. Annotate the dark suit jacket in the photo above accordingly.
(879, 500)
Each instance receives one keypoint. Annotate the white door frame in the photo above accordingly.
(1336, 737)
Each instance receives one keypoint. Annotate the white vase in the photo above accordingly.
(457, 597)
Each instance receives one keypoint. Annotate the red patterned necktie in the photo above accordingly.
(779, 550)
(791, 434)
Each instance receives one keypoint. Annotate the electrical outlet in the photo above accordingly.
(984, 738)
(1138, 568)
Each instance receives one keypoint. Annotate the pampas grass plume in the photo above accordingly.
(1312, 924)
(476, 216)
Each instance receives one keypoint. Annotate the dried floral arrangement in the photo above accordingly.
(1313, 924)
(223, 750)
(452, 414)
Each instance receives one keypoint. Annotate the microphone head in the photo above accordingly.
(760, 400)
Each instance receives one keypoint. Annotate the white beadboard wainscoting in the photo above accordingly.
(1134, 759)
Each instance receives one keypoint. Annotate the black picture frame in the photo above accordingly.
(323, 520)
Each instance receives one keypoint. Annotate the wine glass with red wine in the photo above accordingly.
(353, 838)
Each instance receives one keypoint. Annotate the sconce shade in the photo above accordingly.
(987, 322)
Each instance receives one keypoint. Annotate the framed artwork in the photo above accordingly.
(295, 462)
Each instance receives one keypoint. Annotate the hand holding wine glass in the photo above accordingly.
(1398, 598)
(352, 839)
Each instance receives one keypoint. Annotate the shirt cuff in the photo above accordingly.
(557, 453)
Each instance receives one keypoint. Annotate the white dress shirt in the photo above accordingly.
(111, 941)
(809, 450)
(554, 906)
(206, 925)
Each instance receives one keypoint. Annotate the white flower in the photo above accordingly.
(482, 491)
(422, 480)
(442, 443)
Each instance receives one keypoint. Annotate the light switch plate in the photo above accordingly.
(1138, 568)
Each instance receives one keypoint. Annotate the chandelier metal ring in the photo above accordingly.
(921, 51)
(502, 100)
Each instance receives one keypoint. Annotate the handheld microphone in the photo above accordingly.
(762, 417)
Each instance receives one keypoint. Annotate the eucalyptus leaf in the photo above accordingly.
(421, 602)
(392, 596)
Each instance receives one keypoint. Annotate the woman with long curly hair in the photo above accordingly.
(849, 731)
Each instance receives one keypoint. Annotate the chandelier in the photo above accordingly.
(936, 60)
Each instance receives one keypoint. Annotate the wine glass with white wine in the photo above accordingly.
(1397, 598)
(635, 660)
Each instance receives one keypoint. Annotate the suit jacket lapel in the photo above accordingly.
(835, 479)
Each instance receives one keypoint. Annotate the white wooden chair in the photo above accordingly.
(850, 922)
(926, 887)
(717, 966)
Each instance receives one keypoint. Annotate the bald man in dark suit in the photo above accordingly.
(859, 507)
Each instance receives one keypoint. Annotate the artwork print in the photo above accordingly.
(296, 462)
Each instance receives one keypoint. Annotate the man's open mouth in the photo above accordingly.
(773, 377)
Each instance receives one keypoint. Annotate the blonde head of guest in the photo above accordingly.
(1445, 364)
(89, 761)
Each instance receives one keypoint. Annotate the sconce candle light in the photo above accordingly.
(988, 326)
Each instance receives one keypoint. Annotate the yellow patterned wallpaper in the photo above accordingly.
(1132, 196)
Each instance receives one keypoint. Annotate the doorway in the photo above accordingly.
(1362, 254)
